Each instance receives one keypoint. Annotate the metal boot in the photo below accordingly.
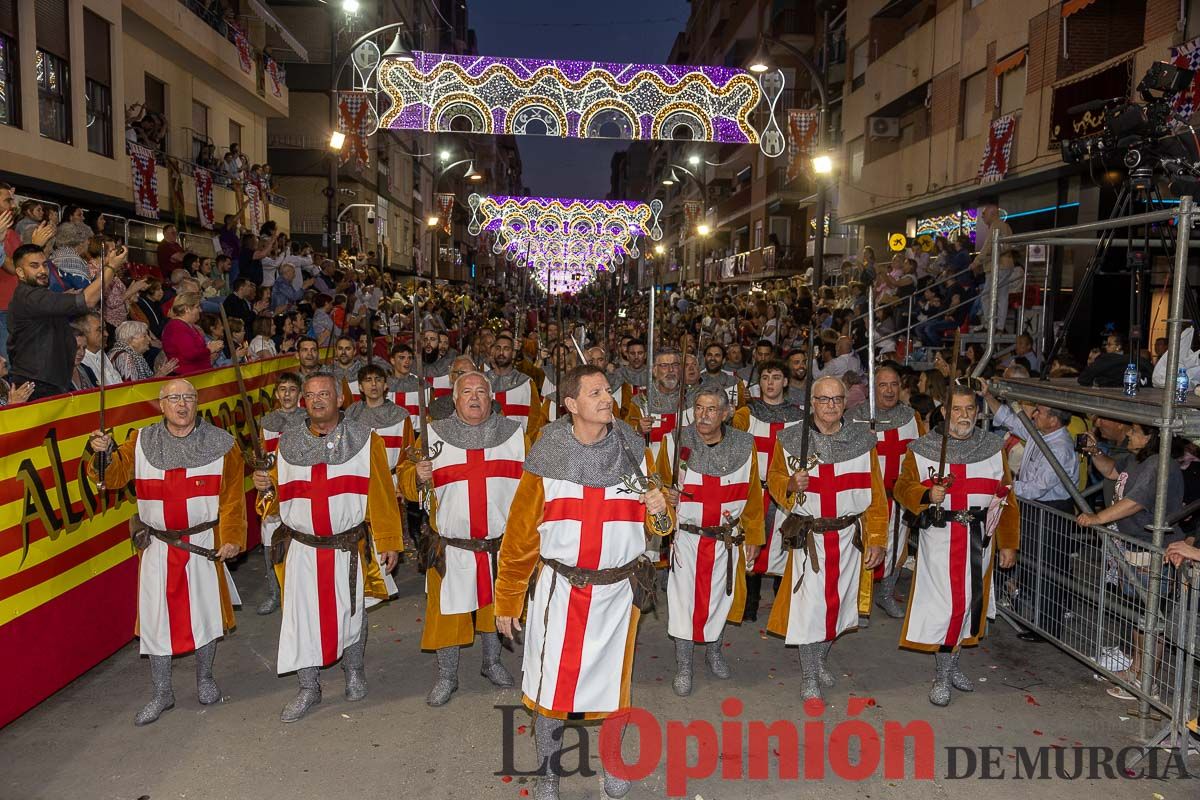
(491, 668)
(207, 691)
(447, 679)
(957, 679)
(715, 659)
(823, 674)
(939, 695)
(684, 648)
(613, 786)
(164, 695)
(547, 736)
(887, 596)
(354, 667)
(308, 696)
(810, 668)
(271, 603)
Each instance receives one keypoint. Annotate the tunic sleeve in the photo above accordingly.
(1008, 532)
(876, 516)
(231, 520)
(741, 419)
(347, 395)
(908, 490)
(741, 393)
(120, 464)
(752, 514)
(631, 413)
(536, 417)
(406, 472)
(382, 510)
(778, 478)
(520, 545)
(649, 465)
(662, 465)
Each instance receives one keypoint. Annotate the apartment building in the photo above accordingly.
(405, 169)
(70, 70)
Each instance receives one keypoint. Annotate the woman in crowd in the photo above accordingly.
(11, 395)
(184, 341)
(128, 355)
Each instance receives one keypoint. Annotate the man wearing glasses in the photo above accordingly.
(652, 413)
(719, 509)
(330, 478)
(836, 528)
(191, 517)
(964, 515)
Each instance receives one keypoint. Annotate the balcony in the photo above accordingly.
(735, 205)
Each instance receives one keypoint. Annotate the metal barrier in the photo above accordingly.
(1089, 590)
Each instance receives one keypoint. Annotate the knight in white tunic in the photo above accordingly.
(964, 518)
(719, 512)
(653, 412)
(630, 379)
(287, 412)
(580, 510)
(330, 479)
(475, 462)
(837, 520)
(896, 426)
(191, 517)
(403, 384)
(514, 390)
(763, 418)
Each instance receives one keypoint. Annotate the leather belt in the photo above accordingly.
(346, 541)
(580, 577)
(724, 534)
(140, 533)
(436, 555)
(474, 545)
(796, 534)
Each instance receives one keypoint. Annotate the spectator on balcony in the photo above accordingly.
(234, 164)
(228, 236)
(170, 251)
(241, 303)
(263, 343)
(133, 122)
(148, 308)
(183, 340)
(11, 395)
(33, 214)
(268, 180)
(128, 355)
(284, 294)
(69, 240)
(91, 325)
(208, 157)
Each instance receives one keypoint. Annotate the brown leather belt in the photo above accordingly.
(346, 541)
(724, 534)
(435, 556)
(140, 533)
(639, 572)
(796, 534)
(474, 545)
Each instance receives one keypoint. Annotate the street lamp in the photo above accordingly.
(660, 249)
(822, 165)
(336, 140)
(470, 175)
(703, 229)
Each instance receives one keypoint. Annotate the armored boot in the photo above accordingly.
(271, 603)
(939, 695)
(823, 674)
(753, 597)
(684, 648)
(447, 679)
(715, 659)
(547, 736)
(613, 786)
(308, 696)
(810, 668)
(492, 669)
(957, 679)
(887, 596)
(206, 688)
(354, 668)
(164, 695)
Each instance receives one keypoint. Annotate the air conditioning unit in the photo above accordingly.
(884, 127)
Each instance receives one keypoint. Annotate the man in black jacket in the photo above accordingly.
(1108, 368)
(42, 344)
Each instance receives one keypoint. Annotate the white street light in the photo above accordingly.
(350, 6)
(822, 165)
(432, 222)
(703, 229)
(694, 160)
(336, 140)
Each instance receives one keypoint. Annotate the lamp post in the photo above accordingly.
(696, 160)
(470, 175)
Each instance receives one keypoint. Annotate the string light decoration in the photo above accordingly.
(579, 99)
(949, 225)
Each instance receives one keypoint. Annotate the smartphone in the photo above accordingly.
(1084, 442)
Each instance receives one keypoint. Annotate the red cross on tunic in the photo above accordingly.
(511, 409)
(891, 449)
(664, 424)
(957, 499)
(826, 483)
(173, 490)
(475, 472)
(439, 391)
(320, 490)
(710, 494)
(766, 444)
(592, 511)
(270, 441)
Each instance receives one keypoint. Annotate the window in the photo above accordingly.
(199, 129)
(52, 70)
(10, 78)
(971, 122)
(97, 64)
(154, 122)
(859, 62)
(1012, 90)
(858, 154)
(235, 133)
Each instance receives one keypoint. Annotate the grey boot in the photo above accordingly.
(308, 696)
(164, 696)
(271, 603)
(447, 679)
(939, 695)
(684, 648)
(492, 669)
(613, 786)
(207, 691)
(957, 679)
(354, 667)
(715, 659)
(864, 621)
(823, 674)
(547, 736)
(810, 669)
(887, 596)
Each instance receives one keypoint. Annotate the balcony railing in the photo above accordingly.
(227, 27)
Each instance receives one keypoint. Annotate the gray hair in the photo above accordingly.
(323, 375)
(179, 275)
(465, 375)
(130, 329)
(709, 391)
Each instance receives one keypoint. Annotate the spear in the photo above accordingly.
(247, 406)
(678, 432)
(941, 473)
(101, 458)
(871, 356)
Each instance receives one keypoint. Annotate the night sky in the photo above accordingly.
(580, 30)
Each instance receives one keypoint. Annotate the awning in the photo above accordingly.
(1010, 62)
(1068, 8)
(268, 16)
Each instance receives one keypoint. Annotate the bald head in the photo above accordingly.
(177, 386)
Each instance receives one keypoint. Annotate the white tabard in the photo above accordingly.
(772, 559)
(891, 447)
(515, 402)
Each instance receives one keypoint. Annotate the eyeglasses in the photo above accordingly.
(179, 399)
(829, 401)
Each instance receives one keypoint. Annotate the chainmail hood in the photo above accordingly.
(436, 369)
(406, 383)
(492, 432)
(784, 412)
(559, 455)
(384, 415)
(504, 383)
(347, 373)
(728, 455)
(722, 379)
(982, 445)
(303, 448)
(627, 374)
(280, 420)
(851, 441)
(885, 418)
(204, 445)
(664, 402)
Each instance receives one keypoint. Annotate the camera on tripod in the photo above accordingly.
(1140, 135)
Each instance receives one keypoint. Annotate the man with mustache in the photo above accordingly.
(515, 392)
(653, 413)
